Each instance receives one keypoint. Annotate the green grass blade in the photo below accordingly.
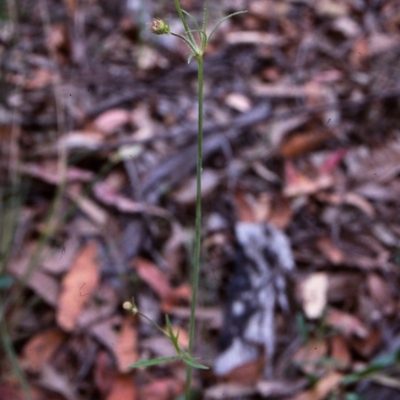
(222, 20)
(205, 16)
(153, 361)
(193, 363)
(192, 19)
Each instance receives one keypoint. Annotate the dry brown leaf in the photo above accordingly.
(254, 38)
(58, 41)
(322, 388)
(359, 52)
(298, 184)
(104, 372)
(330, 250)
(110, 121)
(40, 349)
(347, 26)
(308, 356)
(125, 349)
(141, 118)
(57, 381)
(262, 207)
(238, 102)
(244, 210)
(267, 9)
(381, 43)
(110, 197)
(178, 295)
(77, 287)
(380, 294)
(281, 127)
(279, 389)
(46, 286)
(81, 140)
(91, 209)
(58, 261)
(368, 346)
(71, 6)
(340, 351)
(152, 275)
(173, 251)
(229, 390)
(332, 161)
(105, 332)
(48, 173)
(123, 387)
(248, 373)
(8, 391)
(281, 212)
(40, 79)
(302, 143)
(162, 389)
(186, 194)
(348, 324)
(278, 90)
(344, 287)
(331, 8)
(359, 202)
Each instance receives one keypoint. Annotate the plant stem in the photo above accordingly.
(197, 246)
(10, 351)
(184, 23)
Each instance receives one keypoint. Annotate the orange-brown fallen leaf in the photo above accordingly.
(77, 287)
(248, 373)
(308, 356)
(40, 349)
(152, 275)
(340, 351)
(322, 388)
(162, 389)
(303, 143)
(125, 349)
(104, 373)
(348, 324)
(124, 388)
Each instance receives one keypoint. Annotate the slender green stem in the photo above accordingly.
(185, 25)
(9, 349)
(197, 246)
(194, 50)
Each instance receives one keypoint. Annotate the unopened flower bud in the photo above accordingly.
(159, 27)
(127, 305)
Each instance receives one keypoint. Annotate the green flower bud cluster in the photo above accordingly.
(160, 27)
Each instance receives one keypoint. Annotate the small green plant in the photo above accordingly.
(374, 369)
(197, 40)
(180, 353)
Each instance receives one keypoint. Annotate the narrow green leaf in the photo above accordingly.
(169, 326)
(172, 337)
(182, 18)
(153, 361)
(222, 20)
(350, 379)
(193, 363)
(352, 396)
(383, 361)
(192, 19)
(6, 281)
(192, 44)
(205, 15)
